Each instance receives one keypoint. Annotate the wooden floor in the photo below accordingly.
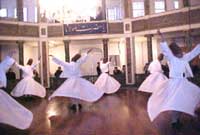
(122, 113)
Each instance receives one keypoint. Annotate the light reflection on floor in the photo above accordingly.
(123, 113)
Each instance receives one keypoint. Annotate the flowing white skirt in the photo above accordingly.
(107, 84)
(152, 82)
(3, 80)
(174, 95)
(78, 88)
(13, 113)
(28, 86)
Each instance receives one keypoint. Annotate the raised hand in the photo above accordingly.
(160, 34)
(89, 50)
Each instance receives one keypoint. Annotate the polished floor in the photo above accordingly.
(122, 113)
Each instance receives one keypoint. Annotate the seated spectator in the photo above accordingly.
(36, 75)
(58, 72)
(195, 69)
(98, 69)
(124, 69)
(10, 75)
(146, 68)
(116, 71)
(165, 69)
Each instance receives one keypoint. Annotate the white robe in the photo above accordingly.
(156, 77)
(177, 93)
(28, 86)
(75, 86)
(64, 73)
(4, 66)
(11, 112)
(105, 82)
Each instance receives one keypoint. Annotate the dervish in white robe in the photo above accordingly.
(156, 77)
(75, 86)
(105, 82)
(28, 86)
(11, 112)
(177, 93)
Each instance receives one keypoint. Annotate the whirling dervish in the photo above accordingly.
(155, 78)
(11, 112)
(176, 94)
(28, 86)
(105, 82)
(76, 87)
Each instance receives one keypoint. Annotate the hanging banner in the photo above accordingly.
(85, 28)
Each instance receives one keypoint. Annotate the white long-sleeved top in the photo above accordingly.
(155, 66)
(4, 66)
(104, 66)
(179, 66)
(71, 69)
(6, 63)
(27, 70)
